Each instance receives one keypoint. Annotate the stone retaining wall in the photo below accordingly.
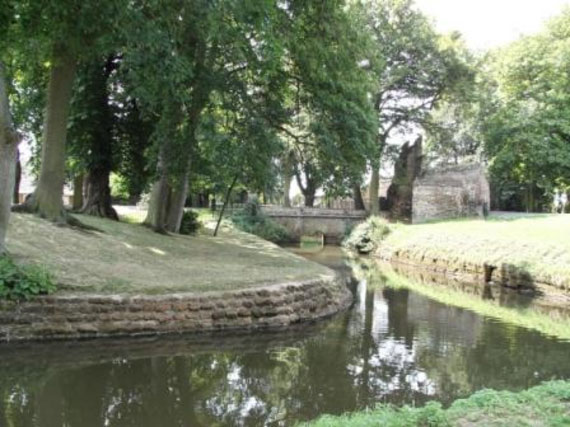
(503, 274)
(267, 307)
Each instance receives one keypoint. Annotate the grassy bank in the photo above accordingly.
(544, 405)
(538, 245)
(131, 259)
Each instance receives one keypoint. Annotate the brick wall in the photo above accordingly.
(270, 307)
(459, 191)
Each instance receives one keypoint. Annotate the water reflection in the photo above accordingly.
(395, 346)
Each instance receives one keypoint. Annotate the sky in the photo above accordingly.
(490, 23)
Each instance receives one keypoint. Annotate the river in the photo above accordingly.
(394, 345)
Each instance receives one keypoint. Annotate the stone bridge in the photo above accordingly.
(333, 224)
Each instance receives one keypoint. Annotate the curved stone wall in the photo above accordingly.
(266, 307)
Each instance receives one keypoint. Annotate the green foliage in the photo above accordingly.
(190, 223)
(365, 237)
(545, 404)
(525, 128)
(22, 283)
(415, 67)
(251, 220)
(119, 187)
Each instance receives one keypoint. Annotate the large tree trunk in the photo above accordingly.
(158, 204)
(78, 182)
(100, 159)
(176, 204)
(47, 200)
(17, 179)
(357, 196)
(98, 196)
(373, 191)
(309, 198)
(9, 140)
(309, 190)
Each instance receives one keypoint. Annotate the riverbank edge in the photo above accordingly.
(545, 404)
(269, 307)
(505, 275)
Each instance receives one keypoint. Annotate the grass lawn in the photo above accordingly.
(539, 244)
(131, 259)
(544, 405)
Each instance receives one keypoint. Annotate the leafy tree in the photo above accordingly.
(69, 30)
(93, 136)
(415, 67)
(527, 135)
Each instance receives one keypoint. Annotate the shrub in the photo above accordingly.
(366, 237)
(22, 283)
(190, 223)
(119, 187)
(251, 220)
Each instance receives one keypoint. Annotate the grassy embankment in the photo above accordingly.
(544, 405)
(131, 259)
(539, 245)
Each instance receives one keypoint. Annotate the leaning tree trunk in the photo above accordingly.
(17, 179)
(179, 193)
(374, 190)
(98, 200)
(47, 200)
(176, 204)
(357, 196)
(9, 140)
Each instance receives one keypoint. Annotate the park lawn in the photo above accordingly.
(544, 405)
(122, 258)
(538, 244)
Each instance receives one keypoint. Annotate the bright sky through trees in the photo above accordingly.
(491, 23)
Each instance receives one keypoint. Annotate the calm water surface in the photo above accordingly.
(394, 345)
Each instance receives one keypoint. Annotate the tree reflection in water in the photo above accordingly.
(394, 346)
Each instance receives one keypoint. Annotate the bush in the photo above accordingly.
(251, 220)
(366, 237)
(190, 223)
(119, 188)
(22, 283)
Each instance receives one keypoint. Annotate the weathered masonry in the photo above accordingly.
(458, 191)
(91, 316)
(333, 224)
(419, 194)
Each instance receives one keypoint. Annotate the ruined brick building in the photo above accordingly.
(419, 194)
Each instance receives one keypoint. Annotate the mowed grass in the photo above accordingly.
(544, 405)
(539, 244)
(124, 258)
